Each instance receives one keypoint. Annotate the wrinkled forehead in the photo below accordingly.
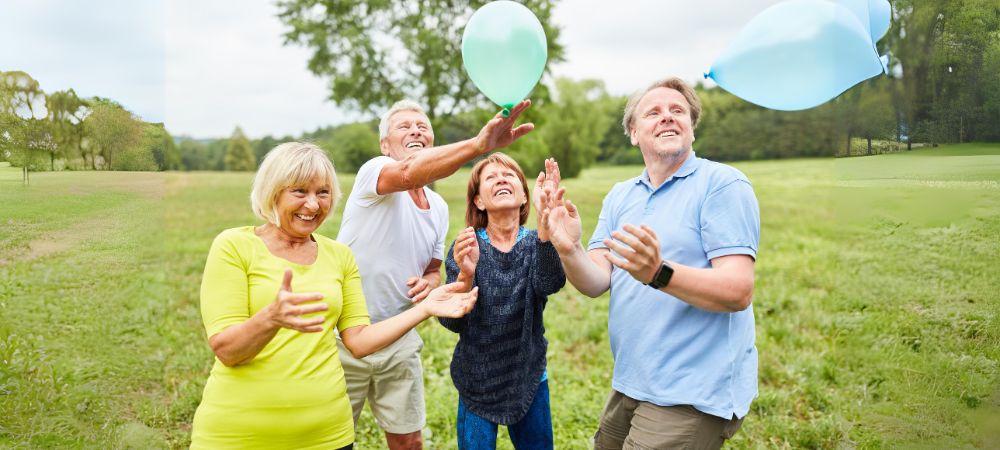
(408, 116)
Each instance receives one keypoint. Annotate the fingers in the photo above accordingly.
(522, 130)
(540, 180)
(419, 286)
(518, 109)
(298, 299)
(311, 325)
(618, 262)
(422, 295)
(641, 234)
(311, 309)
(286, 283)
(571, 208)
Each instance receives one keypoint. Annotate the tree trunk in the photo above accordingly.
(25, 171)
(869, 145)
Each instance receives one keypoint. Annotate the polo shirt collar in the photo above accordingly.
(690, 165)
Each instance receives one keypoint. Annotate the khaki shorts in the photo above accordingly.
(627, 423)
(392, 380)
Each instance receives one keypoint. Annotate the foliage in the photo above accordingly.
(239, 155)
(351, 145)
(377, 52)
(161, 145)
(113, 130)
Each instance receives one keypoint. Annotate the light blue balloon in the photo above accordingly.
(797, 55)
(879, 15)
(504, 51)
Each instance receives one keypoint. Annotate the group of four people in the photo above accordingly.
(306, 329)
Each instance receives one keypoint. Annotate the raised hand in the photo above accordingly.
(545, 187)
(467, 253)
(419, 288)
(450, 300)
(288, 307)
(640, 251)
(562, 222)
(499, 132)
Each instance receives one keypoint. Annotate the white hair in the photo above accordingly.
(402, 105)
(290, 164)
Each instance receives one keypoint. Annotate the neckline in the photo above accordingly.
(312, 236)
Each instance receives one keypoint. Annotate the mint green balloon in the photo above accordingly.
(504, 51)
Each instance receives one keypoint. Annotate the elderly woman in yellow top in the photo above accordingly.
(270, 299)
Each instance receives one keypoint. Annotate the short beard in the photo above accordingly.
(672, 157)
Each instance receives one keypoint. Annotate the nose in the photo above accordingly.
(312, 203)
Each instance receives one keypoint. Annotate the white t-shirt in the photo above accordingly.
(392, 239)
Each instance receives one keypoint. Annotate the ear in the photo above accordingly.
(479, 203)
(383, 146)
(633, 137)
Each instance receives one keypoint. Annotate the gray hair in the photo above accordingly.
(289, 164)
(402, 105)
(674, 83)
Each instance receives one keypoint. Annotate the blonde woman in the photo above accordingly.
(271, 298)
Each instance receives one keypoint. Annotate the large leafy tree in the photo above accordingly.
(375, 52)
(65, 120)
(112, 130)
(22, 106)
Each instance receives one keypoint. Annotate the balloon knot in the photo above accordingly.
(506, 112)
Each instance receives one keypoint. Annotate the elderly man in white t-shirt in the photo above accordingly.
(396, 227)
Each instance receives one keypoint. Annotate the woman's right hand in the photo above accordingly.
(562, 221)
(288, 307)
(467, 252)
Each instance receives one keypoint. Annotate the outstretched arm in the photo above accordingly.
(426, 166)
(444, 301)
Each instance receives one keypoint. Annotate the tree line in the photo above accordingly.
(942, 88)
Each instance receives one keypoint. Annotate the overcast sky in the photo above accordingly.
(204, 67)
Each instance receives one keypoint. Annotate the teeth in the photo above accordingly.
(306, 218)
(667, 133)
(503, 191)
(415, 145)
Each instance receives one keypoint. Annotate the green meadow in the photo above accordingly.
(877, 306)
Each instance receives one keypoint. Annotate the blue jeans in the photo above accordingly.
(533, 431)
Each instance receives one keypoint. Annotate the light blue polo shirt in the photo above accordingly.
(666, 351)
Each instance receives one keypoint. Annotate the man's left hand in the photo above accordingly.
(419, 288)
(640, 251)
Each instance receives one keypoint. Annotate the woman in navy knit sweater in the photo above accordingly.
(499, 362)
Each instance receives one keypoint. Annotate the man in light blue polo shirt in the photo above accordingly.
(676, 246)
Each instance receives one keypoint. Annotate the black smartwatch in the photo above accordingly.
(662, 277)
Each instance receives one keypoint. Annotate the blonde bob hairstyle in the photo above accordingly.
(289, 165)
(476, 218)
(674, 83)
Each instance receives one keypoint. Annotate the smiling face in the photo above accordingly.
(662, 125)
(302, 209)
(501, 188)
(409, 131)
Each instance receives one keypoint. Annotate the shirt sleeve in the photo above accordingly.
(225, 291)
(730, 221)
(604, 226)
(548, 277)
(452, 270)
(443, 218)
(354, 311)
(366, 182)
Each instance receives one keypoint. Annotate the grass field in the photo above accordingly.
(877, 306)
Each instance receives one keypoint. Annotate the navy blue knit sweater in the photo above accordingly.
(500, 356)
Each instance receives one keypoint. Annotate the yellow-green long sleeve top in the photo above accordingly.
(292, 394)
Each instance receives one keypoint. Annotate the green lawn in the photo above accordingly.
(876, 303)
